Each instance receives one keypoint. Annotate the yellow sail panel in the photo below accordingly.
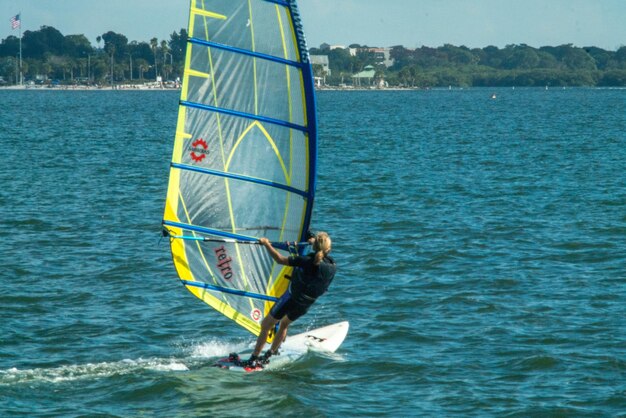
(227, 310)
(243, 163)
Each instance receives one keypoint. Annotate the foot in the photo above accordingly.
(266, 357)
(253, 362)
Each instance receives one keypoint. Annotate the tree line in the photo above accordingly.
(50, 55)
(47, 55)
(513, 65)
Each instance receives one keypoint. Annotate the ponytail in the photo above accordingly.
(321, 246)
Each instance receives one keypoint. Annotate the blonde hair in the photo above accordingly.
(321, 246)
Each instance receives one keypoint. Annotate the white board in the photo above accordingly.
(327, 338)
(324, 339)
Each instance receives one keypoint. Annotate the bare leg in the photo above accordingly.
(281, 334)
(268, 322)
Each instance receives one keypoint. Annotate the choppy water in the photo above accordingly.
(482, 251)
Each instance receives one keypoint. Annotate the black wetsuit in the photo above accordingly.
(307, 284)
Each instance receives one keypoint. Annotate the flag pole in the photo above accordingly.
(21, 72)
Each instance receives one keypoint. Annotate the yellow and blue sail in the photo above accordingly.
(244, 158)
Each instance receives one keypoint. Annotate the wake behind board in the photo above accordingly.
(326, 339)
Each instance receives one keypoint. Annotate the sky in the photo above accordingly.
(411, 23)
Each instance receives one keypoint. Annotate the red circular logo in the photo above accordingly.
(199, 148)
(256, 315)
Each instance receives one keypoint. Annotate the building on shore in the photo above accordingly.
(365, 77)
(323, 61)
(381, 55)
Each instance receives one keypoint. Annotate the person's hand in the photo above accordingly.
(264, 241)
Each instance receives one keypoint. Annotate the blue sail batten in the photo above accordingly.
(246, 52)
(219, 233)
(279, 2)
(244, 115)
(243, 178)
(203, 285)
(208, 231)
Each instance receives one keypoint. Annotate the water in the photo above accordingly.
(481, 244)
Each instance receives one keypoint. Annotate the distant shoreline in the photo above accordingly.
(127, 87)
(317, 89)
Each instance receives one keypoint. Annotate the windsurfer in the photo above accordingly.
(312, 275)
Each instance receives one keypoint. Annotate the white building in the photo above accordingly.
(321, 60)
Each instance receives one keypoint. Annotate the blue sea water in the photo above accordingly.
(481, 244)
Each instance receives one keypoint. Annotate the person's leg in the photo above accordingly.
(266, 325)
(281, 334)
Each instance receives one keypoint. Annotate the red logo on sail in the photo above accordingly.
(199, 149)
(223, 263)
(256, 314)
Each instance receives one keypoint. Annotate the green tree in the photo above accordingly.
(404, 77)
(35, 44)
(178, 49)
(620, 58)
(115, 44)
(578, 59)
(613, 78)
(521, 57)
(154, 45)
(143, 66)
(458, 56)
(166, 69)
(340, 60)
(601, 57)
(401, 56)
(547, 60)
(140, 50)
(492, 56)
(10, 47)
(77, 46)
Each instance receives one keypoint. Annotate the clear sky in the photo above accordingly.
(412, 23)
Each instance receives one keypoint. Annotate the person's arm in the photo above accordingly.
(278, 257)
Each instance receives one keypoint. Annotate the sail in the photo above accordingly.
(244, 158)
